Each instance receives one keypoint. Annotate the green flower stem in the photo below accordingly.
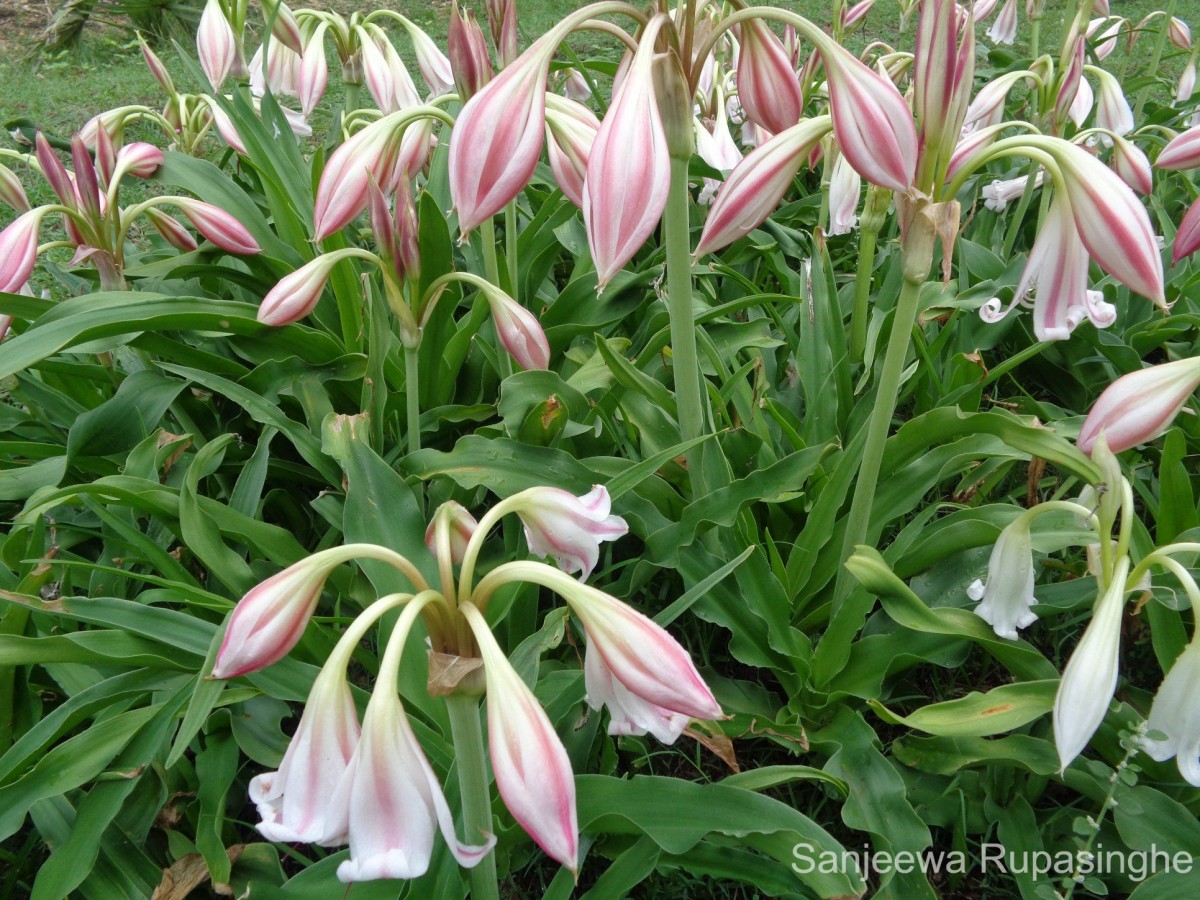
(881, 419)
(510, 248)
(1160, 44)
(474, 785)
(412, 397)
(349, 102)
(491, 263)
(491, 268)
(862, 293)
(686, 365)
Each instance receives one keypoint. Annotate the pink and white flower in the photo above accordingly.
(1141, 405)
(296, 802)
(533, 772)
(567, 528)
(497, 138)
(628, 170)
(767, 86)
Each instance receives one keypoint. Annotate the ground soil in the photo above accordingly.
(21, 24)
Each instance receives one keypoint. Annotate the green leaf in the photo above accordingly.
(21, 482)
(129, 417)
(70, 764)
(948, 756)
(216, 767)
(677, 815)
(977, 715)
(907, 609)
(107, 314)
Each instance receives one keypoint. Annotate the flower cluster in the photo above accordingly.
(371, 785)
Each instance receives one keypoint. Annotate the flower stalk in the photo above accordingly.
(470, 756)
(685, 362)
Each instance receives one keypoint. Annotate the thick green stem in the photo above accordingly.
(1035, 31)
(686, 366)
(349, 101)
(412, 397)
(471, 758)
(881, 417)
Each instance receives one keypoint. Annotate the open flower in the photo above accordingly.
(628, 713)
(1007, 599)
(1176, 715)
(845, 186)
(568, 528)
(1054, 282)
(392, 795)
(295, 802)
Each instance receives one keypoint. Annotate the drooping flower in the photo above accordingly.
(394, 801)
(533, 772)
(1004, 29)
(1183, 152)
(757, 184)
(628, 713)
(1187, 237)
(519, 331)
(845, 185)
(1112, 222)
(570, 133)
(469, 60)
(767, 85)
(342, 191)
(1176, 715)
(18, 249)
(641, 656)
(567, 528)
(296, 802)
(497, 138)
(1112, 111)
(1187, 83)
(12, 192)
(1090, 678)
(1054, 282)
(1006, 601)
(1141, 405)
(270, 619)
(459, 524)
(1003, 191)
(296, 295)
(871, 120)
(1180, 34)
(1132, 164)
(216, 44)
(628, 170)
(218, 226)
(313, 77)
